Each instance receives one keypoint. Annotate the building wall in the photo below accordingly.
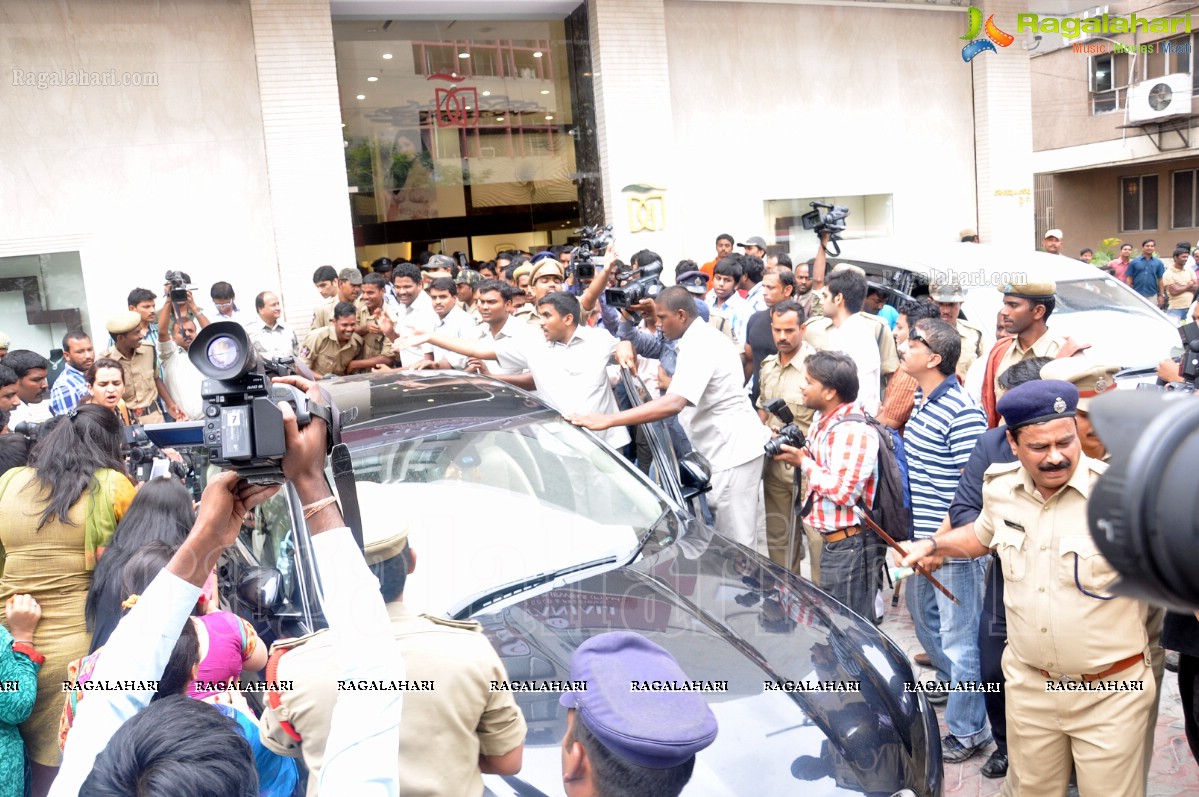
(204, 171)
(1087, 207)
(775, 101)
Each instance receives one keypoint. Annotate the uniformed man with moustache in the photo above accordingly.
(329, 350)
(1078, 664)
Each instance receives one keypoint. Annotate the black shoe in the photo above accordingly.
(996, 766)
(1172, 660)
(954, 752)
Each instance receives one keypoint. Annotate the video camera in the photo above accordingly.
(32, 430)
(242, 427)
(635, 286)
(144, 460)
(789, 435)
(178, 287)
(595, 241)
(832, 222)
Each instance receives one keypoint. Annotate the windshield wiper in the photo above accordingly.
(524, 585)
(649, 532)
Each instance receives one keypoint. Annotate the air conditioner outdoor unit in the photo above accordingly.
(1158, 98)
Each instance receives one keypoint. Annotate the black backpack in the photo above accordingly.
(892, 509)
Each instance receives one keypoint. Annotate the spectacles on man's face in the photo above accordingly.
(914, 337)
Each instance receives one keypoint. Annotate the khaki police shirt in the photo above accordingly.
(141, 370)
(786, 382)
(323, 316)
(1045, 346)
(1050, 562)
(451, 716)
(374, 344)
(972, 347)
(324, 355)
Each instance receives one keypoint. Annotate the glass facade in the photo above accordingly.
(41, 298)
(459, 135)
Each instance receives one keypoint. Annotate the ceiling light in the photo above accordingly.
(372, 79)
(487, 94)
(499, 118)
(537, 54)
(549, 117)
(464, 55)
(545, 91)
(468, 108)
(386, 56)
(362, 96)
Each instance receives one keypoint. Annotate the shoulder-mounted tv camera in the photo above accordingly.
(242, 427)
(635, 286)
(595, 241)
(831, 220)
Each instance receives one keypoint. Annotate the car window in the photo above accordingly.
(505, 501)
(267, 534)
(1097, 294)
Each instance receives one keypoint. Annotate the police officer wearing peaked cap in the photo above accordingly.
(1077, 666)
(948, 297)
(650, 737)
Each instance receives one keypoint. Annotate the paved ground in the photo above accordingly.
(1174, 770)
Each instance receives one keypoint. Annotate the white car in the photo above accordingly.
(1093, 307)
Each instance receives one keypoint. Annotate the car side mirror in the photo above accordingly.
(261, 588)
(695, 474)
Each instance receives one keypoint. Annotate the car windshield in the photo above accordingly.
(1096, 294)
(500, 503)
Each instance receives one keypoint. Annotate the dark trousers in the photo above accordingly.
(1188, 693)
(846, 572)
(992, 638)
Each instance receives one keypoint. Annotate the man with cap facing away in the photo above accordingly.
(143, 385)
(349, 286)
(1077, 665)
(1026, 309)
(949, 297)
(454, 727)
(626, 743)
(1052, 242)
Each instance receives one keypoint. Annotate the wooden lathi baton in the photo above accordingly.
(877, 529)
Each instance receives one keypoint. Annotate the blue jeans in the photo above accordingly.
(1180, 313)
(949, 634)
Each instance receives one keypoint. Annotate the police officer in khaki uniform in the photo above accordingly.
(349, 285)
(331, 349)
(527, 312)
(1093, 378)
(376, 348)
(782, 376)
(1025, 313)
(949, 297)
(1078, 673)
(454, 726)
(143, 385)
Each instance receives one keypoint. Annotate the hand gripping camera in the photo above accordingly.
(790, 434)
(595, 241)
(178, 287)
(635, 286)
(832, 221)
(242, 426)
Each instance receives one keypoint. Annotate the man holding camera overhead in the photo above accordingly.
(708, 393)
(1077, 668)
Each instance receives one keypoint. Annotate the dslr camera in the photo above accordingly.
(635, 286)
(595, 241)
(242, 427)
(789, 435)
(824, 218)
(178, 287)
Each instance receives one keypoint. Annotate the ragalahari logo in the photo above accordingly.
(994, 34)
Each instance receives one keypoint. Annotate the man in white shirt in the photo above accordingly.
(453, 321)
(224, 305)
(33, 389)
(272, 339)
(724, 299)
(570, 366)
(415, 312)
(707, 393)
(851, 333)
(181, 378)
(493, 300)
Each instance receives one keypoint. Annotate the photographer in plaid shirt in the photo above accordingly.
(839, 465)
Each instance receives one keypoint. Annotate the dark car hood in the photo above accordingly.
(730, 616)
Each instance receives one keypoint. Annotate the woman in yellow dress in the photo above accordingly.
(56, 518)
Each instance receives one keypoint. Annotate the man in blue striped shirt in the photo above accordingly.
(70, 387)
(938, 439)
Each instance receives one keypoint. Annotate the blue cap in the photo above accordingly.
(701, 306)
(546, 255)
(658, 730)
(1037, 401)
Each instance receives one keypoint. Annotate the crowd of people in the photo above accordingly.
(109, 580)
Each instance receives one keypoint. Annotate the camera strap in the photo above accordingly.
(347, 489)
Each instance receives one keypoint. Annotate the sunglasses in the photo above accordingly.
(914, 335)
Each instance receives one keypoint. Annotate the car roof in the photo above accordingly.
(421, 402)
(963, 260)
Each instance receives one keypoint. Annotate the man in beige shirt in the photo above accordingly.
(1179, 284)
(1077, 668)
(455, 726)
